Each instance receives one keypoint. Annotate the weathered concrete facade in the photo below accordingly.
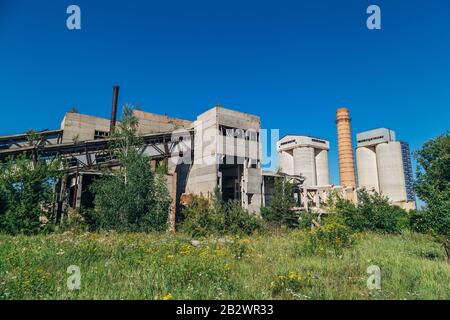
(226, 151)
(227, 156)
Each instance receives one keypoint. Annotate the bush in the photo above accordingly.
(305, 219)
(204, 217)
(329, 238)
(373, 212)
(238, 220)
(291, 284)
(429, 221)
(26, 194)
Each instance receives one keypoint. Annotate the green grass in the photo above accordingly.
(152, 266)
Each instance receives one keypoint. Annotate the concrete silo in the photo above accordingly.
(286, 161)
(390, 171)
(366, 163)
(323, 175)
(384, 165)
(305, 165)
(305, 156)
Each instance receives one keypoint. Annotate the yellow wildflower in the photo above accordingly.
(168, 296)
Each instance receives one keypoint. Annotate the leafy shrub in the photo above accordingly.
(26, 188)
(238, 220)
(373, 212)
(330, 238)
(428, 221)
(204, 217)
(305, 219)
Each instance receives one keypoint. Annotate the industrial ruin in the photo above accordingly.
(221, 149)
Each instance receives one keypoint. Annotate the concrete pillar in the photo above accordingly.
(173, 208)
(79, 191)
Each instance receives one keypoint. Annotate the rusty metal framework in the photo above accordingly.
(85, 158)
(18, 141)
(87, 155)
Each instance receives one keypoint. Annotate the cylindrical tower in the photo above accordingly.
(323, 176)
(305, 164)
(286, 162)
(366, 163)
(345, 149)
(390, 171)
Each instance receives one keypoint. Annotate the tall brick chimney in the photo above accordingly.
(345, 149)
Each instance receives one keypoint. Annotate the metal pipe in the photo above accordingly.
(114, 108)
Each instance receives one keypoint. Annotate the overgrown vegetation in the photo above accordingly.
(131, 198)
(331, 238)
(373, 212)
(433, 187)
(278, 211)
(26, 194)
(158, 266)
(207, 217)
(306, 258)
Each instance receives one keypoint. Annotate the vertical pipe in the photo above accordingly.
(345, 149)
(114, 108)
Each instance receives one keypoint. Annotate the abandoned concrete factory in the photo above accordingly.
(221, 149)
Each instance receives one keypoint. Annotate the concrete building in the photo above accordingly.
(384, 166)
(305, 156)
(225, 155)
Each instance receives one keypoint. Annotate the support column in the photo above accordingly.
(79, 191)
(173, 209)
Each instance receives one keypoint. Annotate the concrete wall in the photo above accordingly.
(82, 127)
(155, 123)
(212, 148)
(202, 178)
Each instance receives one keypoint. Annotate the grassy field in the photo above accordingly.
(156, 266)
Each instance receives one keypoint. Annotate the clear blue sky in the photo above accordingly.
(291, 62)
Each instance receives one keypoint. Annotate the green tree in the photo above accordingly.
(26, 188)
(131, 197)
(433, 187)
(279, 209)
